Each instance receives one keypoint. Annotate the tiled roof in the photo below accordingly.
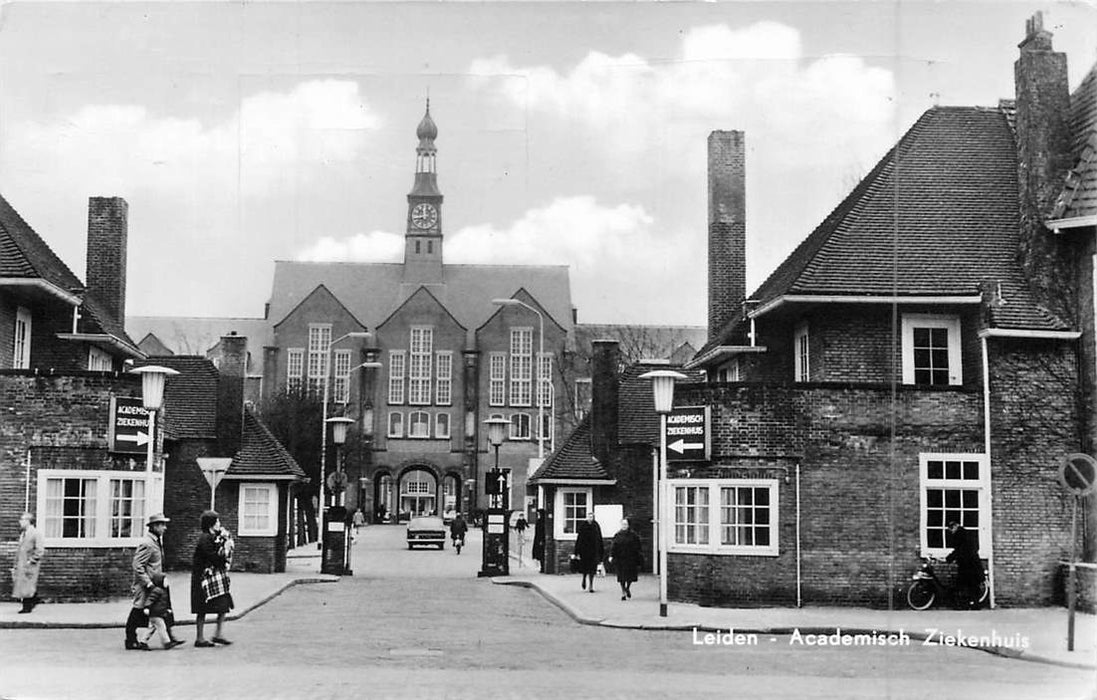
(190, 398)
(937, 216)
(24, 254)
(573, 459)
(261, 455)
(192, 335)
(1079, 196)
(372, 291)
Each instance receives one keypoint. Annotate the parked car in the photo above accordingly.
(426, 531)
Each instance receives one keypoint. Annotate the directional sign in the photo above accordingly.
(688, 434)
(129, 425)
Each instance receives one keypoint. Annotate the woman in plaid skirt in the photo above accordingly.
(209, 579)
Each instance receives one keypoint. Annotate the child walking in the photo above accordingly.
(161, 617)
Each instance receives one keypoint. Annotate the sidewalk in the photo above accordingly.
(1032, 634)
(249, 591)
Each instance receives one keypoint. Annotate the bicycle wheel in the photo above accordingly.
(921, 595)
(984, 592)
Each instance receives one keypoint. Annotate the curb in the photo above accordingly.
(31, 624)
(1004, 652)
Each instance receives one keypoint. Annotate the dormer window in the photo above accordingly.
(931, 350)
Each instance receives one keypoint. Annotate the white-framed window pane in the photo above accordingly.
(127, 507)
(70, 508)
(497, 384)
(576, 505)
(521, 366)
(419, 424)
(21, 359)
(954, 487)
(745, 516)
(931, 350)
(295, 368)
(441, 426)
(258, 509)
(396, 424)
(801, 353)
(397, 359)
(419, 365)
(98, 360)
(319, 344)
(544, 380)
(444, 379)
(691, 515)
(520, 426)
(340, 388)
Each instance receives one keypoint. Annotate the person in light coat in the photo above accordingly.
(148, 559)
(28, 559)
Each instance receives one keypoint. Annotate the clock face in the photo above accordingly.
(424, 216)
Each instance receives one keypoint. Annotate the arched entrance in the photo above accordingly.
(451, 496)
(384, 497)
(418, 493)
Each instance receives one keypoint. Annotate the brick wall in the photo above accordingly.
(106, 259)
(727, 227)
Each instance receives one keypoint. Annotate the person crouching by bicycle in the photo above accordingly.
(969, 568)
(457, 530)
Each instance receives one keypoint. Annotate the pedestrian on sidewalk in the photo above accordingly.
(209, 579)
(160, 613)
(28, 560)
(589, 548)
(520, 526)
(148, 559)
(539, 540)
(626, 556)
(457, 529)
(969, 567)
(359, 519)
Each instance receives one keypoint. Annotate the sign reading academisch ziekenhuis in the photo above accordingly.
(129, 425)
(688, 435)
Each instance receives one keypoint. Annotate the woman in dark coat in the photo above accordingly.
(589, 549)
(539, 539)
(626, 557)
(211, 565)
(969, 567)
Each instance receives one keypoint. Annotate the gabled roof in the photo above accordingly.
(372, 291)
(192, 335)
(936, 217)
(23, 253)
(320, 291)
(1078, 200)
(190, 398)
(572, 461)
(261, 455)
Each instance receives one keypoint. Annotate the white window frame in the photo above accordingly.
(295, 369)
(516, 431)
(397, 367)
(584, 389)
(545, 393)
(102, 514)
(714, 525)
(801, 351)
(99, 360)
(521, 366)
(319, 346)
(420, 360)
(497, 379)
(442, 426)
(981, 485)
(22, 339)
(242, 528)
(398, 432)
(951, 324)
(418, 417)
(561, 520)
(443, 386)
(340, 386)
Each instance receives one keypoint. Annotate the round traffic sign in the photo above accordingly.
(1078, 473)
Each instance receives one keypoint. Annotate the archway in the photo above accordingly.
(384, 497)
(418, 493)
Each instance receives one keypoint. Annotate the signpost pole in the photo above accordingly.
(1072, 595)
(1078, 475)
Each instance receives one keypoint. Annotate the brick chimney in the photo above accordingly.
(106, 267)
(727, 228)
(606, 358)
(232, 367)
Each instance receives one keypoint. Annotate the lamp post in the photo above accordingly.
(537, 370)
(153, 378)
(494, 556)
(496, 431)
(337, 485)
(324, 431)
(662, 385)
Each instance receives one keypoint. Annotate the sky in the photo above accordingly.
(245, 133)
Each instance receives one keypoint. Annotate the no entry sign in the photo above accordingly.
(129, 426)
(688, 434)
(1078, 473)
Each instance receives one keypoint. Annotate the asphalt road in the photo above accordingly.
(420, 624)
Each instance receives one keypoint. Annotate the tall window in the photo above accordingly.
(91, 508)
(497, 384)
(319, 344)
(98, 360)
(295, 368)
(801, 352)
(21, 360)
(396, 425)
(725, 516)
(341, 384)
(444, 379)
(519, 426)
(544, 380)
(127, 507)
(572, 506)
(258, 510)
(931, 350)
(521, 366)
(422, 344)
(954, 487)
(418, 424)
(397, 359)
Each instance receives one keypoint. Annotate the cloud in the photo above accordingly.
(614, 252)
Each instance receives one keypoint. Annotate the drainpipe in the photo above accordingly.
(986, 451)
(799, 594)
(26, 493)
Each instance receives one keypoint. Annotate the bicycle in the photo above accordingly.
(926, 588)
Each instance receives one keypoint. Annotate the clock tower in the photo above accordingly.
(423, 237)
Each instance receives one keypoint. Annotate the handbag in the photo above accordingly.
(573, 563)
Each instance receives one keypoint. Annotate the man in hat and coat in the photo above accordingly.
(28, 557)
(148, 559)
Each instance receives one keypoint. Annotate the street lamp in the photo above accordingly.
(324, 431)
(662, 385)
(537, 371)
(496, 430)
(153, 378)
